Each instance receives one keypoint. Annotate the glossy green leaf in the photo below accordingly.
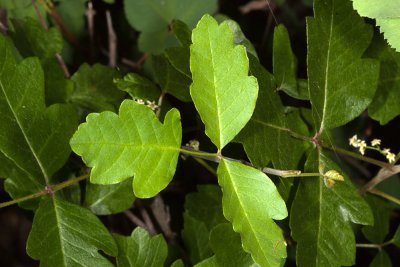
(109, 199)
(138, 86)
(227, 247)
(33, 136)
(155, 15)
(384, 104)
(285, 65)
(341, 83)
(376, 233)
(94, 88)
(135, 143)
(140, 249)
(321, 217)
(265, 137)
(64, 234)
(396, 237)
(387, 15)
(170, 79)
(222, 91)
(381, 260)
(251, 202)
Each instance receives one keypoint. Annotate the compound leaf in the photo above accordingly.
(321, 217)
(341, 83)
(250, 202)
(64, 234)
(222, 91)
(140, 249)
(135, 143)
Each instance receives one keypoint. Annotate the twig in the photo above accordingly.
(384, 195)
(90, 13)
(112, 41)
(134, 219)
(382, 175)
(41, 19)
(146, 218)
(163, 218)
(160, 102)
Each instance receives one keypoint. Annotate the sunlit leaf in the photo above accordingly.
(220, 71)
(135, 143)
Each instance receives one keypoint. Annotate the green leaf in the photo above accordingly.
(396, 237)
(156, 42)
(381, 260)
(33, 136)
(384, 105)
(178, 263)
(285, 64)
(341, 83)
(239, 38)
(219, 72)
(72, 13)
(251, 202)
(135, 143)
(182, 32)
(387, 15)
(227, 247)
(138, 86)
(265, 137)
(109, 199)
(320, 217)
(94, 88)
(377, 233)
(32, 40)
(64, 234)
(170, 79)
(21, 9)
(155, 15)
(140, 249)
(209, 262)
(57, 87)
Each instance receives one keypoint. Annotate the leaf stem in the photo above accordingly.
(45, 191)
(200, 154)
(384, 195)
(376, 246)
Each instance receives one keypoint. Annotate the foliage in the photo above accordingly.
(273, 182)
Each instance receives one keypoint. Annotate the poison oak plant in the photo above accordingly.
(292, 192)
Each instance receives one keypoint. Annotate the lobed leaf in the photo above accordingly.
(140, 249)
(135, 143)
(251, 202)
(341, 83)
(64, 234)
(223, 93)
(321, 218)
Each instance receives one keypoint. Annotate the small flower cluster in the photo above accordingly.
(194, 144)
(148, 103)
(375, 145)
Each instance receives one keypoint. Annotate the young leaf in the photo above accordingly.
(384, 106)
(109, 199)
(222, 91)
(227, 247)
(381, 260)
(64, 234)
(140, 249)
(285, 65)
(94, 88)
(138, 86)
(386, 13)
(135, 143)
(264, 138)
(320, 218)
(341, 83)
(251, 202)
(32, 136)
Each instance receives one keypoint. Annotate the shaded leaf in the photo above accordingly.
(321, 218)
(178, 263)
(341, 83)
(33, 136)
(135, 143)
(380, 209)
(381, 260)
(170, 79)
(156, 42)
(220, 71)
(384, 104)
(240, 39)
(109, 199)
(140, 249)
(227, 247)
(72, 13)
(396, 237)
(251, 202)
(21, 9)
(64, 234)
(138, 86)
(94, 88)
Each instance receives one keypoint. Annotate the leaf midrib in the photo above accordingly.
(45, 175)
